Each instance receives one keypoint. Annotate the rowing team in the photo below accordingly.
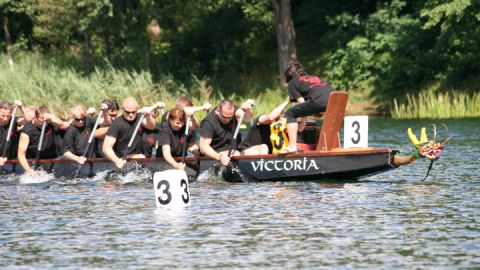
(40, 134)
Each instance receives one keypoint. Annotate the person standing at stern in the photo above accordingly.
(311, 94)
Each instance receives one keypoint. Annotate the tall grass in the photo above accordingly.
(37, 81)
(432, 104)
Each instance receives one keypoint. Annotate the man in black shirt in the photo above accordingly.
(30, 137)
(115, 146)
(76, 137)
(6, 110)
(257, 141)
(217, 130)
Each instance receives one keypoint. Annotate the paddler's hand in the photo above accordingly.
(188, 111)
(18, 103)
(159, 105)
(91, 111)
(247, 105)
(207, 106)
(120, 163)
(224, 159)
(180, 166)
(81, 160)
(48, 116)
(2, 161)
(103, 107)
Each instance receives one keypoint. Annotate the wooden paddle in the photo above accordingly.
(90, 139)
(7, 137)
(185, 142)
(39, 149)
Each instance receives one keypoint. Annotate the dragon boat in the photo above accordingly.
(326, 160)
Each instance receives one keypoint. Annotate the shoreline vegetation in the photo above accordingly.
(38, 80)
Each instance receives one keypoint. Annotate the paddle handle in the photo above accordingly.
(90, 139)
(10, 127)
(185, 140)
(234, 138)
(40, 143)
(135, 131)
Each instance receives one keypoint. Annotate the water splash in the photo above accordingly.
(37, 177)
(134, 172)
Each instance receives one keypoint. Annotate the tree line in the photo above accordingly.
(385, 47)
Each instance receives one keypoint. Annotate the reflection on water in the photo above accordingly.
(391, 220)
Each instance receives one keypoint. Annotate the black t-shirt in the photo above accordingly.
(11, 148)
(258, 134)
(122, 130)
(176, 139)
(220, 133)
(48, 149)
(76, 139)
(308, 87)
(149, 138)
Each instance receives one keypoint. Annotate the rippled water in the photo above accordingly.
(391, 220)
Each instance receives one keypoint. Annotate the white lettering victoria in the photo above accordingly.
(284, 165)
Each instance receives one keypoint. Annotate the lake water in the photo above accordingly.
(391, 220)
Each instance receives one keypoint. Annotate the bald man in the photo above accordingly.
(115, 146)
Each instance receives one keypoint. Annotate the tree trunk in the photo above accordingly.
(86, 52)
(8, 40)
(147, 54)
(285, 34)
(108, 50)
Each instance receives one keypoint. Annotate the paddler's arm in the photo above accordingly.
(57, 122)
(108, 152)
(167, 155)
(149, 120)
(100, 132)
(71, 156)
(207, 150)
(275, 113)
(22, 152)
(190, 111)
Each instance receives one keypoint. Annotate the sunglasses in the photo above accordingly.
(79, 119)
(112, 115)
(127, 112)
(226, 117)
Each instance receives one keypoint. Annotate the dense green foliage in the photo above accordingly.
(378, 50)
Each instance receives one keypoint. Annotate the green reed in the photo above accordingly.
(432, 104)
(38, 80)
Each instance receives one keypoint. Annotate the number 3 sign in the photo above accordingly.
(171, 189)
(355, 131)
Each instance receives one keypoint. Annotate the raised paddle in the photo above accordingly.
(90, 139)
(40, 143)
(7, 137)
(185, 141)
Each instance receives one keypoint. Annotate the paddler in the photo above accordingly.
(267, 134)
(31, 133)
(77, 135)
(217, 130)
(171, 138)
(115, 146)
(310, 93)
(8, 149)
(109, 108)
(186, 104)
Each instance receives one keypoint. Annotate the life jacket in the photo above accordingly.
(278, 135)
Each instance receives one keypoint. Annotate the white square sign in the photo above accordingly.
(355, 131)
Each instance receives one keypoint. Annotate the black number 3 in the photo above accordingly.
(183, 184)
(356, 125)
(166, 191)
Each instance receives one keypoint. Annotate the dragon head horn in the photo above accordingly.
(413, 137)
(446, 135)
